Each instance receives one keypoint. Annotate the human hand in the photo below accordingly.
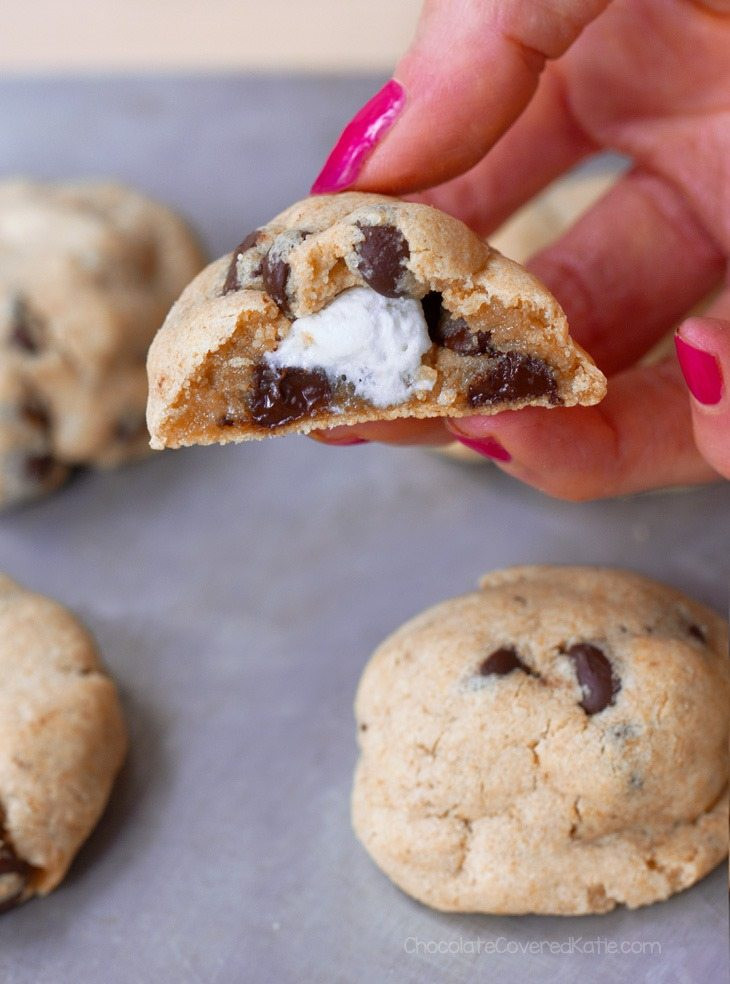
(648, 78)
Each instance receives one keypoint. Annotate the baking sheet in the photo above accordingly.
(237, 593)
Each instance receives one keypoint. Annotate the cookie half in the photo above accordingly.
(62, 741)
(356, 307)
(555, 742)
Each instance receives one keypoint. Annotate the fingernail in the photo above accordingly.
(359, 137)
(486, 446)
(701, 372)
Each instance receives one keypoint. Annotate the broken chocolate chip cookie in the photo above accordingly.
(358, 307)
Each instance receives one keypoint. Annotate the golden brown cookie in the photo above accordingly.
(62, 741)
(357, 307)
(555, 742)
(87, 274)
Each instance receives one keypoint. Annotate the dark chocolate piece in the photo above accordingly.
(381, 257)
(279, 396)
(513, 376)
(455, 334)
(26, 328)
(502, 661)
(130, 427)
(35, 414)
(431, 304)
(39, 467)
(595, 676)
(232, 282)
(275, 274)
(696, 632)
(13, 867)
(275, 267)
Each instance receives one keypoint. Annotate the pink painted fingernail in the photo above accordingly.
(359, 137)
(701, 372)
(486, 446)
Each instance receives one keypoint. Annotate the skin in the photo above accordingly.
(648, 78)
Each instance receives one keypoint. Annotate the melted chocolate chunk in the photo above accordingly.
(279, 396)
(431, 304)
(26, 328)
(275, 274)
(455, 334)
(232, 282)
(227, 420)
(12, 865)
(696, 632)
(502, 661)
(130, 427)
(35, 414)
(275, 267)
(39, 467)
(513, 376)
(381, 256)
(595, 677)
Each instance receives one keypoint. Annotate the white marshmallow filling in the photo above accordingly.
(374, 343)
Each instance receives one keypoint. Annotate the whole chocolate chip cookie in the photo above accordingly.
(555, 742)
(358, 307)
(87, 274)
(62, 741)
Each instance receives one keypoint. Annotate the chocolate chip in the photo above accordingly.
(26, 328)
(381, 256)
(275, 274)
(431, 304)
(513, 376)
(39, 467)
(227, 420)
(279, 396)
(696, 632)
(130, 427)
(232, 282)
(34, 413)
(14, 873)
(595, 677)
(275, 267)
(455, 334)
(502, 661)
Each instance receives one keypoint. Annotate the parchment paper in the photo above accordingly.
(237, 593)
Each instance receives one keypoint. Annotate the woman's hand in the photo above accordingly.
(483, 117)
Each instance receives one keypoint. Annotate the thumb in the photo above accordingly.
(703, 349)
(471, 70)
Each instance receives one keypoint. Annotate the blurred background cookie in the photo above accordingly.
(87, 274)
(62, 741)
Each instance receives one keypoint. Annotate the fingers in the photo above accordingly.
(409, 430)
(470, 72)
(703, 349)
(541, 145)
(629, 269)
(639, 438)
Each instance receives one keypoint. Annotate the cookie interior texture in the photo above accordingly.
(63, 741)
(456, 329)
(555, 742)
(88, 271)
